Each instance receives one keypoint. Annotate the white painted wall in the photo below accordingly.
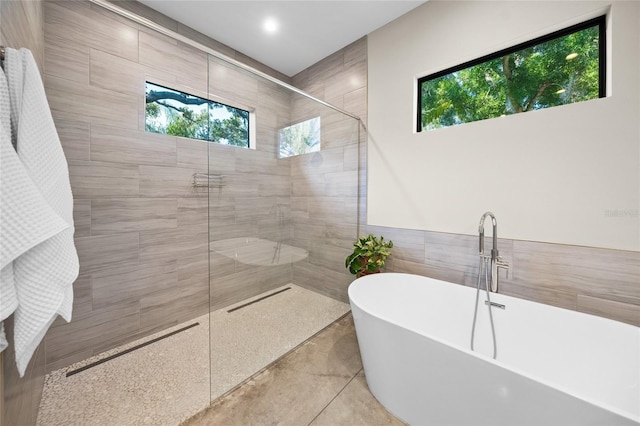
(556, 175)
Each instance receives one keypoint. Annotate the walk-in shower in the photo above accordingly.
(243, 244)
(285, 213)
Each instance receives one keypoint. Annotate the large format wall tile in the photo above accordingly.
(173, 243)
(66, 60)
(327, 160)
(82, 297)
(352, 77)
(92, 179)
(231, 85)
(609, 273)
(193, 208)
(319, 279)
(548, 295)
(192, 153)
(163, 53)
(169, 307)
(259, 162)
(162, 181)
(114, 144)
(23, 27)
(64, 340)
(82, 218)
(324, 185)
(74, 137)
(78, 23)
(119, 215)
(232, 288)
(193, 270)
(72, 100)
(107, 252)
(112, 72)
(356, 103)
(221, 158)
(597, 281)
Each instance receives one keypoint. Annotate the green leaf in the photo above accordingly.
(369, 254)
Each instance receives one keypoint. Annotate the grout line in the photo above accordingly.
(126, 351)
(257, 300)
(335, 396)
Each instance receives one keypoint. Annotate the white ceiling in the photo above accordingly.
(308, 30)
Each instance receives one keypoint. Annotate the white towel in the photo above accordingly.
(25, 217)
(43, 274)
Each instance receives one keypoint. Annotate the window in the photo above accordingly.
(176, 113)
(300, 138)
(561, 68)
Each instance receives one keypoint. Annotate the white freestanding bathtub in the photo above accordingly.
(553, 366)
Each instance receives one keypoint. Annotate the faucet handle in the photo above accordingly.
(501, 264)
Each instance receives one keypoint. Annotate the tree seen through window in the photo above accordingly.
(560, 69)
(176, 113)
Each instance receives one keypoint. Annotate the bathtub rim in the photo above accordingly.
(498, 363)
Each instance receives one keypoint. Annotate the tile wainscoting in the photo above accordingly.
(593, 280)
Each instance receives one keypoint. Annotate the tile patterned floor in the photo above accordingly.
(319, 383)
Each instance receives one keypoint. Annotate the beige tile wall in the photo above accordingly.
(141, 226)
(593, 280)
(324, 194)
(21, 26)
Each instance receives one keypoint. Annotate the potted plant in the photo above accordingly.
(369, 255)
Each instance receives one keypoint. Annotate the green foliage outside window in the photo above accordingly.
(554, 72)
(300, 138)
(175, 113)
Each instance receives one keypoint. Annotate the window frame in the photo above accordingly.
(599, 21)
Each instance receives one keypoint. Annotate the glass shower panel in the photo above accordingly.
(324, 199)
(279, 228)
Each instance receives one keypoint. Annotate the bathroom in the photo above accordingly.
(564, 182)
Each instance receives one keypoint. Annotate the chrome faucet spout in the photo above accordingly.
(488, 264)
(496, 260)
(494, 222)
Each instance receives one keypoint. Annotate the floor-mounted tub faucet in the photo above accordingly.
(496, 261)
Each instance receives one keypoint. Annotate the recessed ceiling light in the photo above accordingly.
(270, 25)
(571, 56)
